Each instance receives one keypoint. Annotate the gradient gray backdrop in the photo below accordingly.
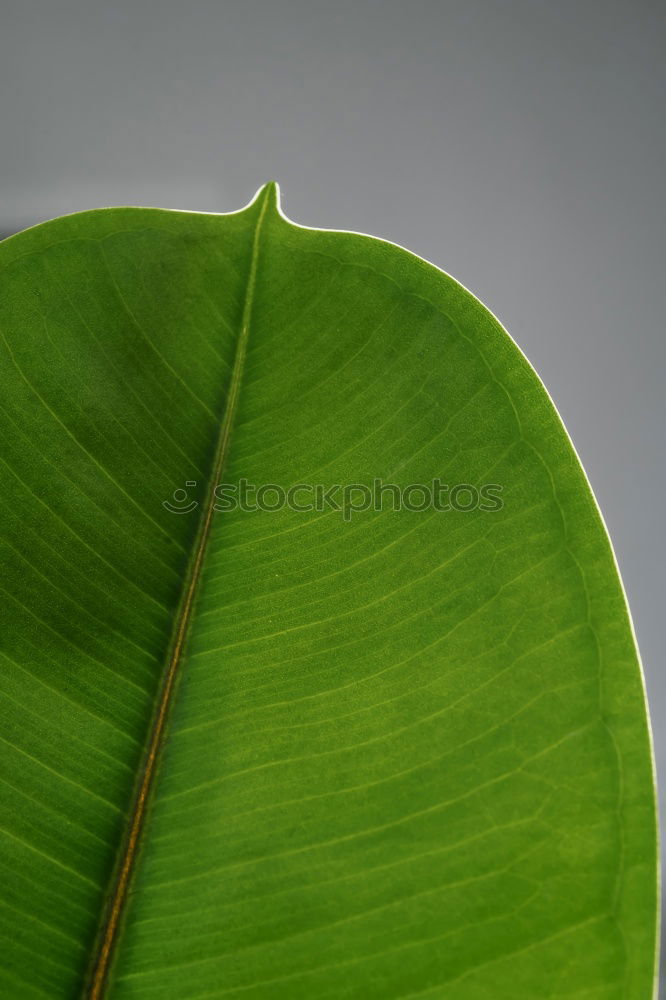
(518, 145)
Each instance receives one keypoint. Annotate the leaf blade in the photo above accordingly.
(392, 745)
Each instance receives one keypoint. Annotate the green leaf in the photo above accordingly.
(307, 755)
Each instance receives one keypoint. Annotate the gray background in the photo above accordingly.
(516, 144)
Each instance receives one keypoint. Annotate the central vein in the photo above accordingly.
(108, 936)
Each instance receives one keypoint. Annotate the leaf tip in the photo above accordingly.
(269, 195)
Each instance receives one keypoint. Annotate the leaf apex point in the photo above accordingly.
(270, 192)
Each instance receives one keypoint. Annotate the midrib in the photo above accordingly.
(107, 938)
